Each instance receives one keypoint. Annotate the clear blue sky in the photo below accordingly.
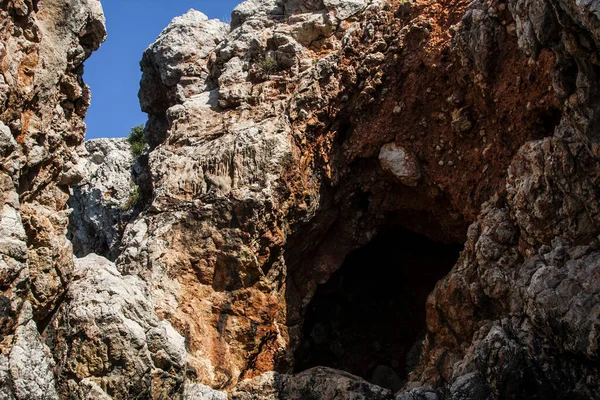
(113, 72)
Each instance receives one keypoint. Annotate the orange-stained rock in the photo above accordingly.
(42, 46)
(277, 146)
(266, 168)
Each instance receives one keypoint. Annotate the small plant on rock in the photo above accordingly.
(268, 65)
(137, 141)
(134, 197)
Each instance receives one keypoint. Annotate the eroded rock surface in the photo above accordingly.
(277, 146)
(107, 336)
(105, 200)
(317, 383)
(400, 163)
(43, 101)
(282, 145)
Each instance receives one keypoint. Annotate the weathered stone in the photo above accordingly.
(200, 392)
(43, 103)
(29, 364)
(108, 332)
(187, 37)
(7, 141)
(105, 200)
(250, 211)
(321, 383)
(276, 149)
(398, 161)
(345, 9)
(254, 9)
(176, 63)
(418, 394)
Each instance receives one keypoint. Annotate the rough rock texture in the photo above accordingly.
(519, 313)
(283, 144)
(42, 104)
(197, 391)
(107, 335)
(399, 162)
(29, 365)
(316, 383)
(104, 201)
(280, 144)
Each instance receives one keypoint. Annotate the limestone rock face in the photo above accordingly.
(197, 391)
(175, 66)
(530, 257)
(43, 101)
(278, 145)
(104, 201)
(217, 222)
(107, 333)
(28, 369)
(284, 143)
(253, 9)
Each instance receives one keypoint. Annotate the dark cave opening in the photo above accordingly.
(369, 317)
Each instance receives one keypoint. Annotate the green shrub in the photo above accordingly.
(134, 197)
(268, 65)
(137, 141)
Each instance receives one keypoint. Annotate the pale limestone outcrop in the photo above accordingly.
(176, 64)
(263, 151)
(105, 200)
(198, 391)
(29, 365)
(43, 103)
(265, 171)
(224, 152)
(107, 335)
(255, 9)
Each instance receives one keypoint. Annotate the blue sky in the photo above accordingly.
(113, 72)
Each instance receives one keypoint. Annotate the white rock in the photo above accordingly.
(187, 37)
(102, 201)
(401, 163)
(110, 311)
(253, 9)
(344, 9)
(29, 362)
(197, 391)
(7, 141)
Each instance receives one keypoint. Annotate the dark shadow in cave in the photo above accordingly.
(369, 317)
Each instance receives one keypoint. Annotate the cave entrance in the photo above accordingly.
(369, 317)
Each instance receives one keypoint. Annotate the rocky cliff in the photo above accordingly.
(402, 190)
(105, 200)
(43, 101)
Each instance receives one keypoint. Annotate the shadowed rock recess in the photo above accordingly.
(369, 323)
(341, 199)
